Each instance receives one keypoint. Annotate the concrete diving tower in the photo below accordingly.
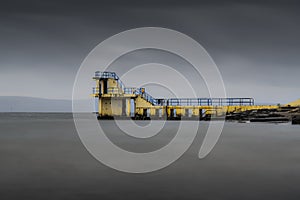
(114, 100)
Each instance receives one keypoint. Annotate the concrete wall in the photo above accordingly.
(114, 107)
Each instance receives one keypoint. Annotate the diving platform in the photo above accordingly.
(114, 100)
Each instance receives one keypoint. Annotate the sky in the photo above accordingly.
(255, 44)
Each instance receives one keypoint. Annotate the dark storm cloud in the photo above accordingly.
(254, 43)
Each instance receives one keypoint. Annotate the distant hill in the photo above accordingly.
(30, 104)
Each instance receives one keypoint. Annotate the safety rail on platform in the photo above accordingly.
(210, 101)
(113, 75)
(172, 101)
(95, 90)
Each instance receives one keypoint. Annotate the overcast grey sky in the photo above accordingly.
(254, 43)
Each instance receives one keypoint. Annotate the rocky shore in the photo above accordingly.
(283, 114)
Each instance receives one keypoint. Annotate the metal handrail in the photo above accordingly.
(172, 101)
(114, 90)
(112, 75)
(210, 101)
(95, 90)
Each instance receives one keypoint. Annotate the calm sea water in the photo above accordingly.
(42, 157)
(34, 116)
